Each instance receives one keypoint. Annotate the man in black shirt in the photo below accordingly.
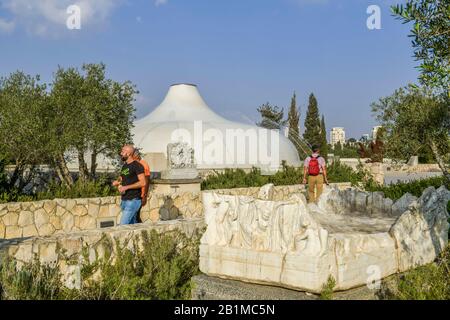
(130, 183)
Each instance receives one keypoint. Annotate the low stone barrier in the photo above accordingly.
(67, 250)
(49, 217)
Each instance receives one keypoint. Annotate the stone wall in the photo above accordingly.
(67, 250)
(49, 217)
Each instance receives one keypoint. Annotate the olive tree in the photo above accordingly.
(431, 37)
(413, 119)
(23, 133)
(91, 115)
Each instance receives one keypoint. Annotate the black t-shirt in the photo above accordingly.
(129, 174)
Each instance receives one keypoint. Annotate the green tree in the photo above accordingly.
(312, 133)
(337, 149)
(109, 105)
(68, 126)
(23, 132)
(431, 38)
(414, 119)
(272, 117)
(323, 143)
(293, 121)
(91, 115)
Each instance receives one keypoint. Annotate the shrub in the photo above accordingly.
(429, 282)
(288, 175)
(327, 289)
(90, 189)
(416, 187)
(32, 281)
(161, 269)
(98, 188)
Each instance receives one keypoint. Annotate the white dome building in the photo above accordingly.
(218, 143)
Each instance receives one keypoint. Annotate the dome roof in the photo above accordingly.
(218, 143)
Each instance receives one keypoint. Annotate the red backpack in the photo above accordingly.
(314, 168)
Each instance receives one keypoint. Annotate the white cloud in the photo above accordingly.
(48, 17)
(160, 2)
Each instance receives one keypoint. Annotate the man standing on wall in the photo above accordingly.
(130, 184)
(315, 167)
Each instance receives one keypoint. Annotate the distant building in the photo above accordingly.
(337, 135)
(365, 137)
(375, 131)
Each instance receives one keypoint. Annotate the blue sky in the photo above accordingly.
(241, 53)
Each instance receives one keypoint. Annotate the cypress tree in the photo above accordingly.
(324, 143)
(312, 133)
(293, 121)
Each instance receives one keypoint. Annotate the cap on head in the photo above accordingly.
(315, 148)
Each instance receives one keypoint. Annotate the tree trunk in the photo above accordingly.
(18, 171)
(83, 170)
(440, 161)
(66, 176)
(59, 173)
(23, 182)
(94, 163)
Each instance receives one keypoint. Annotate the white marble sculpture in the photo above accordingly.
(298, 245)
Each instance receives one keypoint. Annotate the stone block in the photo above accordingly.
(70, 204)
(48, 253)
(79, 210)
(82, 202)
(46, 230)
(56, 222)
(154, 215)
(95, 201)
(14, 207)
(24, 253)
(68, 221)
(2, 229)
(87, 223)
(61, 202)
(60, 211)
(30, 231)
(12, 232)
(103, 212)
(49, 206)
(93, 209)
(41, 217)
(114, 210)
(26, 218)
(10, 219)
